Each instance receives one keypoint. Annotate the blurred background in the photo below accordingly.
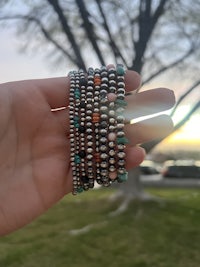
(153, 219)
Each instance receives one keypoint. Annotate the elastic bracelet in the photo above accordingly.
(112, 123)
(96, 120)
(90, 139)
(121, 139)
(82, 129)
(73, 122)
(103, 127)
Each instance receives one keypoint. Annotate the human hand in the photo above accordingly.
(34, 145)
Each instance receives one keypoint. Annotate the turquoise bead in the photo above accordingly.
(80, 190)
(121, 102)
(123, 177)
(77, 159)
(120, 70)
(122, 140)
(76, 118)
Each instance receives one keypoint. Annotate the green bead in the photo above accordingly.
(80, 190)
(77, 90)
(76, 124)
(121, 102)
(77, 159)
(76, 118)
(122, 140)
(77, 96)
(120, 70)
(123, 177)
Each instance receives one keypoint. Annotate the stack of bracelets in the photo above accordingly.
(97, 138)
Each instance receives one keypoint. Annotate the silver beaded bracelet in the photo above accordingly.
(97, 138)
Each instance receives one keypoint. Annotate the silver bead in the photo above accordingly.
(103, 140)
(121, 162)
(89, 156)
(104, 156)
(111, 76)
(104, 116)
(111, 105)
(89, 137)
(96, 110)
(121, 170)
(121, 155)
(111, 160)
(112, 113)
(104, 172)
(120, 125)
(90, 163)
(89, 106)
(112, 121)
(104, 80)
(89, 112)
(111, 144)
(111, 152)
(90, 144)
(89, 150)
(103, 164)
(121, 147)
(103, 148)
(120, 134)
(121, 85)
(89, 131)
(103, 131)
(112, 89)
(112, 168)
(112, 128)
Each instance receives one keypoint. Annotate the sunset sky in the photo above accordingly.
(17, 66)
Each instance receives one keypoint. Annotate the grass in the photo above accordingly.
(148, 234)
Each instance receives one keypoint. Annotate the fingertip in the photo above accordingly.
(132, 80)
(134, 156)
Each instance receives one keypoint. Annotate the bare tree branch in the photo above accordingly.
(147, 23)
(44, 32)
(113, 46)
(187, 116)
(171, 65)
(183, 96)
(89, 29)
(67, 30)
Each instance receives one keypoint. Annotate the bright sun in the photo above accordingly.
(187, 135)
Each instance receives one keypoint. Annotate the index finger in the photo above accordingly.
(56, 90)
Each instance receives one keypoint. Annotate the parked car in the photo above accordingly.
(148, 167)
(181, 169)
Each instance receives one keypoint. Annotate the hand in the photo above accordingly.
(34, 146)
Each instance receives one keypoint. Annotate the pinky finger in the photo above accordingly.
(134, 156)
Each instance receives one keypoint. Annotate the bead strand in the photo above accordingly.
(82, 128)
(89, 127)
(73, 122)
(121, 139)
(96, 120)
(103, 128)
(112, 123)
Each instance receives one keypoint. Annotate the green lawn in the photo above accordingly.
(148, 234)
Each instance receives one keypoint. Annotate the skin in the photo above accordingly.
(35, 168)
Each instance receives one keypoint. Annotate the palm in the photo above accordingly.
(34, 157)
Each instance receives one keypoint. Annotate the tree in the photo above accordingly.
(152, 37)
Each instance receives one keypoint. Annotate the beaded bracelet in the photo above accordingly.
(97, 138)
(121, 139)
(103, 137)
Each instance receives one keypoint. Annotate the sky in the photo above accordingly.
(20, 66)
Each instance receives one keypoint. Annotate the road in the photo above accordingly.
(158, 181)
